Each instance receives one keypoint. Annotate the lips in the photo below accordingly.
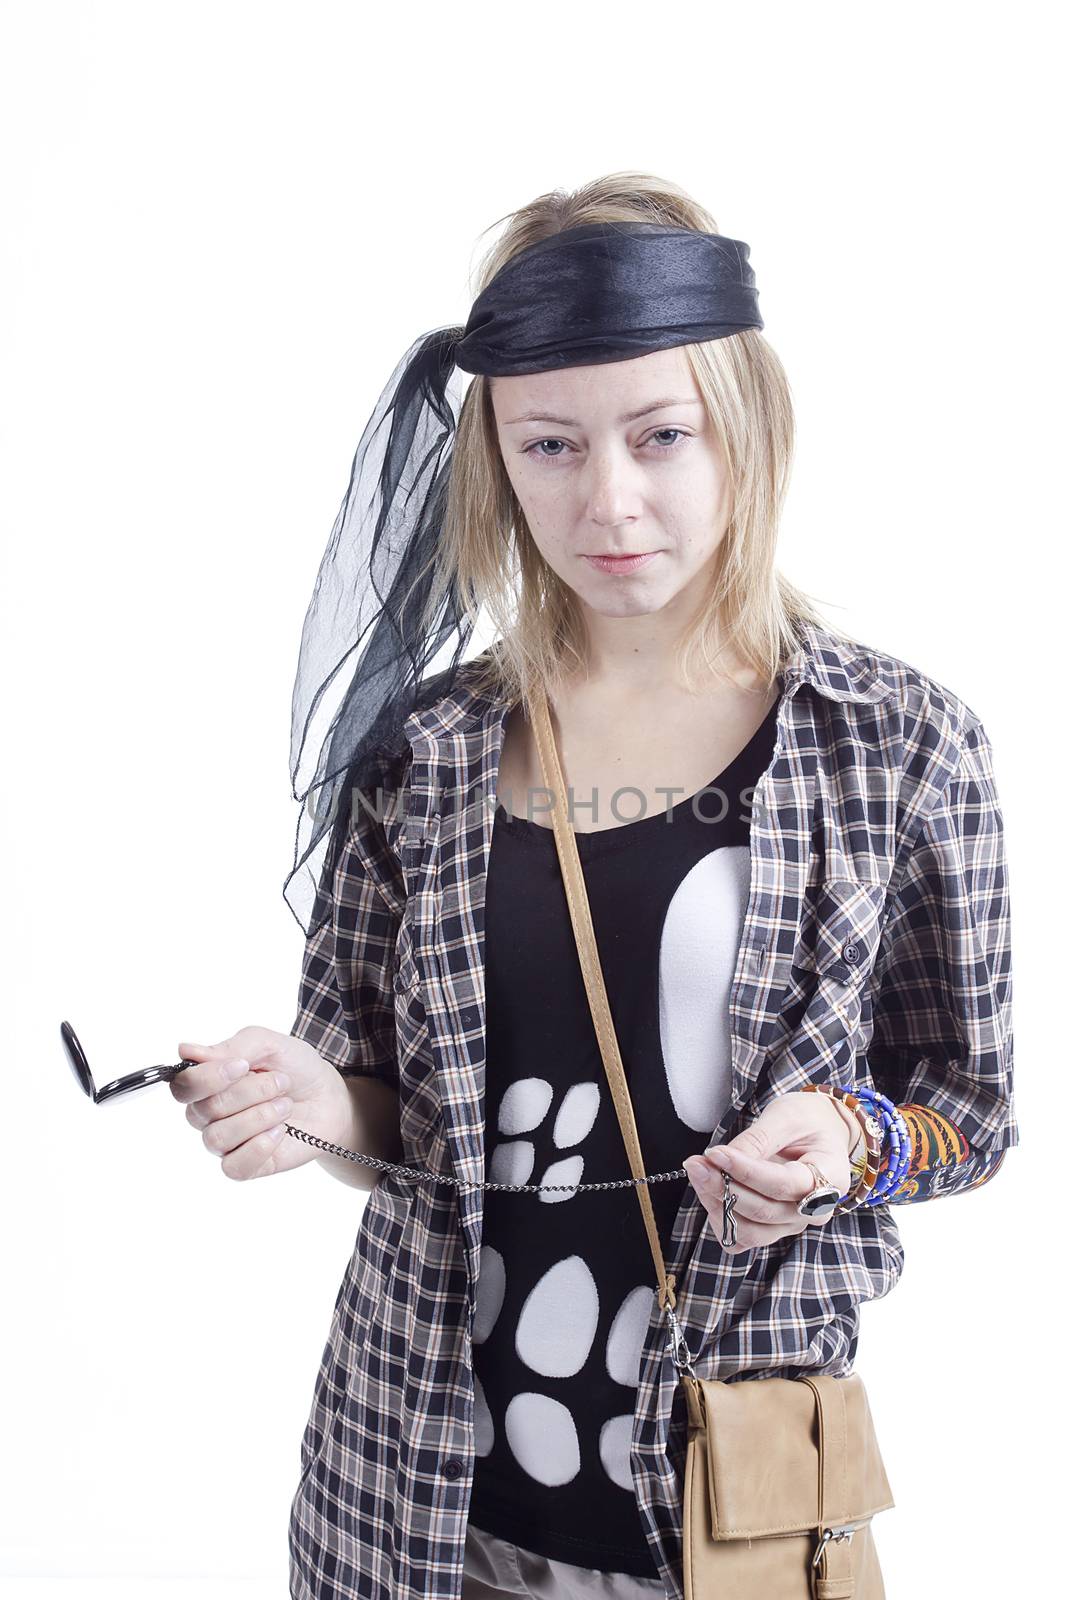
(622, 564)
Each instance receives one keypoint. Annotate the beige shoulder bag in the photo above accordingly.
(782, 1475)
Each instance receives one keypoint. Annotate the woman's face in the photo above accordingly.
(603, 467)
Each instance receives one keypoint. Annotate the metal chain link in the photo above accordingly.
(513, 1188)
(439, 1177)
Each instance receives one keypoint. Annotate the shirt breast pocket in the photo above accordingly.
(419, 848)
(405, 968)
(822, 1002)
(414, 1053)
(841, 930)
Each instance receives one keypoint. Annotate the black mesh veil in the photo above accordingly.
(366, 643)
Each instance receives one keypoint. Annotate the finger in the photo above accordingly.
(262, 1123)
(252, 1041)
(257, 1157)
(752, 1204)
(254, 1044)
(249, 1090)
(208, 1078)
(190, 1051)
(187, 1082)
(754, 1235)
(751, 1235)
(787, 1181)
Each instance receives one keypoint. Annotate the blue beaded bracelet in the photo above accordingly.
(895, 1132)
(894, 1136)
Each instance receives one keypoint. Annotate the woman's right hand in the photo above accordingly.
(244, 1089)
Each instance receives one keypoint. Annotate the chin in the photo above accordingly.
(634, 605)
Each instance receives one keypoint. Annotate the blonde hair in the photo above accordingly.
(486, 546)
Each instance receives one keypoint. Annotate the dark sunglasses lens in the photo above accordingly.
(76, 1056)
(127, 1085)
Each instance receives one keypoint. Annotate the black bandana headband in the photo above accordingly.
(608, 292)
(587, 295)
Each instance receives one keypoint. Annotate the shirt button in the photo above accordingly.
(453, 1469)
(850, 953)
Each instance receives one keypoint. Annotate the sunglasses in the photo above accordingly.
(79, 1065)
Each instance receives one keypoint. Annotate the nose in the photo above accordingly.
(612, 488)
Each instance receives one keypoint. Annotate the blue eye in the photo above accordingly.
(663, 450)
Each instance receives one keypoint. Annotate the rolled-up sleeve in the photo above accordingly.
(941, 1044)
(345, 1007)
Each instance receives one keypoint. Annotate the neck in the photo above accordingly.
(629, 656)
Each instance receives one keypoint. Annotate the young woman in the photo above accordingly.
(793, 852)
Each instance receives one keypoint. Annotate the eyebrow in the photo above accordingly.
(630, 416)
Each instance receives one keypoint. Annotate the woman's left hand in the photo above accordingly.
(766, 1166)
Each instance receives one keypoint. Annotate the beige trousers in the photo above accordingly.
(493, 1569)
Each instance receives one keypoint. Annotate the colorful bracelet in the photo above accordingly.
(864, 1175)
(858, 1155)
(896, 1164)
(889, 1145)
(893, 1162)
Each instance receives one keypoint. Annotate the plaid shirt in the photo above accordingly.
(876, 826)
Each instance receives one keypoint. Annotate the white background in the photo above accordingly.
(222, 224)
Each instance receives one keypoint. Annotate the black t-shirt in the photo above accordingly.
(567, 1280)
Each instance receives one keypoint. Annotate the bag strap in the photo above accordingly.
(589, 956)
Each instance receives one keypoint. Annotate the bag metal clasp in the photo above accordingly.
(845, 1530)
